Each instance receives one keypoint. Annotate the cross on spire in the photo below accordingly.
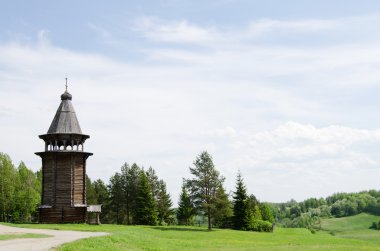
(66, 84)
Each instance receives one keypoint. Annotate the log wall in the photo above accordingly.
(63, 187)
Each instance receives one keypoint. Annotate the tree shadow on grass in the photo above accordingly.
(181, 229)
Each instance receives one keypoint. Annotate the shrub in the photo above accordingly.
(260, 226)
(374, 225)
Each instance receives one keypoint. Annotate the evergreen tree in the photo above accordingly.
(185, 208)
(223, 208)
(126, 188)
(100, 190)
(240, 205)
(153, 181)
(146, 213)
(102, 198)
(130, 191)
(249, 216)
(204, 185)
(115, 189)
(255, 207)
(90, 192)
(164, 204)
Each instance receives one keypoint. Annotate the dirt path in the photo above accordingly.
(41, 244)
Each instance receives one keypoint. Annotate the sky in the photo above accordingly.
(287, 92)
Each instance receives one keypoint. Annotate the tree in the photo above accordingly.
(90, 192)
(153, 181)
(256, 213)
(116, 196)
(185, 208)
(100, 190)
(240, 204)
(7, 186)
(266, 213)
(146, 213)
(164, 203)
(130, 187)
(223, 208)
(204, 185)
(27, 195)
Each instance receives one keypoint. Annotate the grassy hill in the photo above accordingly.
(350, 233)
(353, 227)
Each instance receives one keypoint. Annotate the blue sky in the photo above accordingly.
(285, 91)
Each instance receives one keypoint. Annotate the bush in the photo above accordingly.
(374, 225)
(260, 226)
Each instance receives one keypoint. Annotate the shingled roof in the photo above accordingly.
(65, 120)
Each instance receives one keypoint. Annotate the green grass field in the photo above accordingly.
(350, 233)
(354, 227)
(21, 236)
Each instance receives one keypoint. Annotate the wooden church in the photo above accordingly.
(64, 168)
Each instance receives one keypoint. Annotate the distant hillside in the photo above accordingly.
(310, 212)
(353, 227)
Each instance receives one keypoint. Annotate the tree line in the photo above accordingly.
(308, 213)
(133, 196)
(20, 191)
(204, 194)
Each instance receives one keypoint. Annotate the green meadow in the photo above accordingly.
(349, 233)
(21, 236)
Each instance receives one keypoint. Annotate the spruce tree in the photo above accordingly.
(164, 203)
(115, 189)
(131, 187)
(241, 205)
(153, 181)
(255, 206)
(223, 208)
(146, 212)
(185, 208)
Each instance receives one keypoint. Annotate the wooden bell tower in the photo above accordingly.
(64, 168)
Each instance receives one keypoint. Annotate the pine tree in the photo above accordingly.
(185, 208)
(240, 207)
(204, 185)
(146, 213)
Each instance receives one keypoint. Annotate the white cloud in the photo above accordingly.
(301, 155)
(228, 131)
(174, 31)
(265, 26)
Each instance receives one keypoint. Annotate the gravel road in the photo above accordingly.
(41, 244)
